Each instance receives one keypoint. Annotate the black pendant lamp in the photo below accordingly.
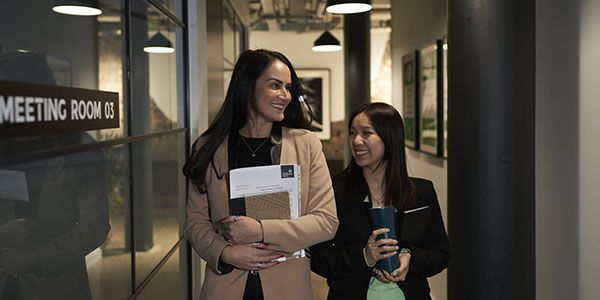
(77, 7)
(326, 43)
(348, 6)
(159, 44)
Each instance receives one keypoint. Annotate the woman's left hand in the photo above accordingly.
(398, 274)
(17, 260)
(241, 230)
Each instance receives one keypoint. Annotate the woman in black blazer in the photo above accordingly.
(377, 176)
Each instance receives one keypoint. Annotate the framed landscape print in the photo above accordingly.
(317, 87)
(430, 97)
(409, 100)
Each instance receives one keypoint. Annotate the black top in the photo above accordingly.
(342, 262)
(248, 152)
(261, 148)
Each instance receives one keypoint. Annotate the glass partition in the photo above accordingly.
(66, 51)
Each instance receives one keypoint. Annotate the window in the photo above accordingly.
(107, 205)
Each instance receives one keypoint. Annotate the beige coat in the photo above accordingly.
(69, 209)
(318, 223)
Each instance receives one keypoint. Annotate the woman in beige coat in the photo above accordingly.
(261, 122)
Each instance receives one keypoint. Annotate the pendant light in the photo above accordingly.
(326, 43)
(77, 7)
(159, 44)
(348, 6)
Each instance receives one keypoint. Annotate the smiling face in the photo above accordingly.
(272, 94)
(365, 144)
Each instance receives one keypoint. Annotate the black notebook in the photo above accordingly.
(414, 225)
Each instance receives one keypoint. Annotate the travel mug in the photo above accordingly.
(383, 217)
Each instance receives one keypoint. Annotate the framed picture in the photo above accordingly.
(430, 98)
(409, 100)
(317, 87)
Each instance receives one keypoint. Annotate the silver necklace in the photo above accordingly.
(376, 202)
(253, 152)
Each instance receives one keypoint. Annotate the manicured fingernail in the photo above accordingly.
(223, 220)
(266, 244)
(280, 256)
(387, 230)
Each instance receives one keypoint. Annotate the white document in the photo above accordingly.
(266, 180)
(13, 185)
(261, 180)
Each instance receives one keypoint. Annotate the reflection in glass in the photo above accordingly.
(173, 6)
(159, 43)
(168, 283)
(68, 51)
(157, 196)
(109, 268)
(53, 212)
(77, 7)
(156, 76)
(111, 66)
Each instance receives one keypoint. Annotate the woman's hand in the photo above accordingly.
(17, 260)
(241, 230)
(373, 248)
(398, 274)
(17, 233)
(248, 257)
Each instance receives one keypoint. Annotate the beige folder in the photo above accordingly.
(268, 206)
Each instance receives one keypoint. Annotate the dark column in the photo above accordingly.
(143, 227)
(357, 64)
(491, 183)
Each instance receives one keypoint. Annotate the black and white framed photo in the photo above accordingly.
(316, 84)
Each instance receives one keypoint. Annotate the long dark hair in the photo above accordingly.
(388, 124)
(235, 110)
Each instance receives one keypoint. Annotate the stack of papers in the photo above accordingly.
(13, 185)
(266, 192)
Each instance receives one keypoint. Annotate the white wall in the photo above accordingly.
(589, 150)
(381, 76)
(567, 147)
(414, 24)
(379, 39)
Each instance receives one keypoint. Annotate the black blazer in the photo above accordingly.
(341, 260)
